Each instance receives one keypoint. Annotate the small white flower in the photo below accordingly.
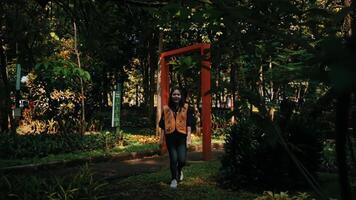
(219, 33)
(24, 79)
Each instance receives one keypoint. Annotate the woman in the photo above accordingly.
(176, 122)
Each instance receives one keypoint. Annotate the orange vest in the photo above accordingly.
(178, 123)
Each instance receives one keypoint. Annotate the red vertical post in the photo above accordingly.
(164, 92)
(164, 81)
(206, 100)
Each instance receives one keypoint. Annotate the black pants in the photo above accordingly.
(177, 149)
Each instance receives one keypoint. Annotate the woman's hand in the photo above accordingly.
(189, 136)
(161, 137)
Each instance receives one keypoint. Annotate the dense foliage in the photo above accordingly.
(256, 156)
(27, 146)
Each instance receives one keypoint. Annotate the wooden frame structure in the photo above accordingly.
(205, 86)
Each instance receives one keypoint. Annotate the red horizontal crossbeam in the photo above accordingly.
(183, 50)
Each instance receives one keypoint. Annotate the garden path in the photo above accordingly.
(120, 169)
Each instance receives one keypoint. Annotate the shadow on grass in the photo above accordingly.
(199, 183)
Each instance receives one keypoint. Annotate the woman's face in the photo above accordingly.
(176, 96)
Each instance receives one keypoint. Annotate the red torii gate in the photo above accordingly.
(205, 86)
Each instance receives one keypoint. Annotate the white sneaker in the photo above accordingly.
(174, 183)
(181, 176)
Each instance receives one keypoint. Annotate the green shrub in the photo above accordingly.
(21, 146)
(329, 156)
(81, 186)
(255, 157)
(220, 121)
(238, 166)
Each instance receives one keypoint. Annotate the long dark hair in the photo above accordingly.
(181, 101)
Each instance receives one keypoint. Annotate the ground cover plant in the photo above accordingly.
(80, 186)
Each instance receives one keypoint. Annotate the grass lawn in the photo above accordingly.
(199, 183)
(77, 155)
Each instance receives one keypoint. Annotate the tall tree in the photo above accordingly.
(23, 33)
(343, 107)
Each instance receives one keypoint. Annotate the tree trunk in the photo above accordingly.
(151, 84)
(146, 66)
(342, 119)
(342, 114)
(106, 90)
(260, 86)
(353, 116)
(233, 90)
(217, 79)
(137, 94)
(82, 98)
(149, 79)
(159, 100)
(271, 109)
(352, 134)
(5, 113)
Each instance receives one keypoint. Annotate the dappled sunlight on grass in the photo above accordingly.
(142, 139)
(135, 148)
(197, 182)
(197, 140)
(139, 131)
